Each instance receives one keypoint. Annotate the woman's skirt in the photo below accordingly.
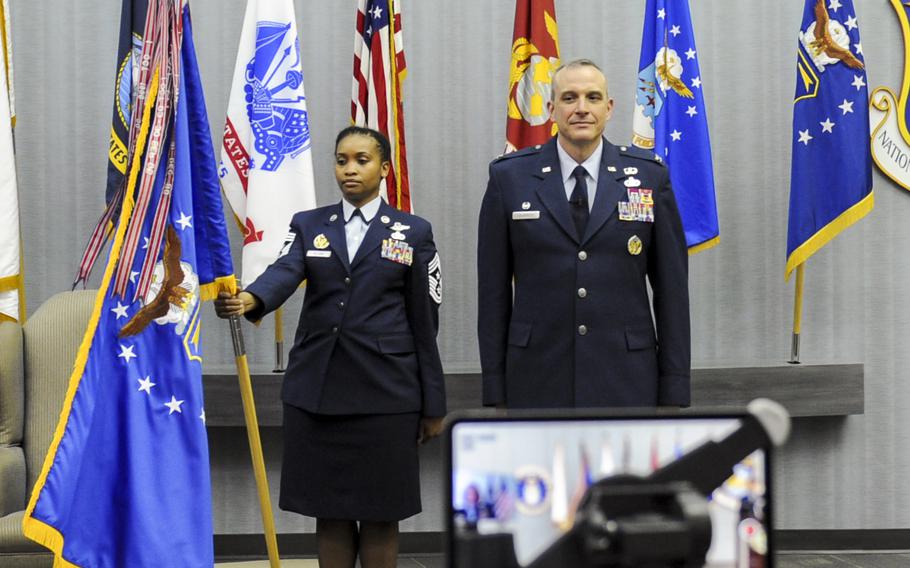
(350, 467)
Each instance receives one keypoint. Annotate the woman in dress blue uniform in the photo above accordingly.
(364, 382)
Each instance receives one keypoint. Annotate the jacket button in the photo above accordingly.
(340, 305)
(582, 330)
(334, 329)
(347, 280)
(582, 255)
(582, 293)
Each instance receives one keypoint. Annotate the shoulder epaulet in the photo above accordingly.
(529, 151)
(305, 212)
(405, 217)
(317, 212)
(640, 153)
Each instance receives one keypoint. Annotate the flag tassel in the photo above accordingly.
(252, 429)
(797, 315)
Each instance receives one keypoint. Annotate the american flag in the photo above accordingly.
(584, 481)
(379, 68)
(503, 502)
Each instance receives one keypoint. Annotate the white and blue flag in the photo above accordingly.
(266, 162)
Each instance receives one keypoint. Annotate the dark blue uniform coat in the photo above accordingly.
(567, 322)
(366, 340)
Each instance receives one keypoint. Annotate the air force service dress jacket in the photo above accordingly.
(366, 339)
(566, 321)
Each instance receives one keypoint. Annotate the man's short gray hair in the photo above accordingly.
(571, 65)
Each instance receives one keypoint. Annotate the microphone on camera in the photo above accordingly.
(708, 466)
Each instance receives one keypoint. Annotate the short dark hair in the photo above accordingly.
(572, 64)
(385, 149)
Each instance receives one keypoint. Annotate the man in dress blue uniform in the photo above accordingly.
(570, 235)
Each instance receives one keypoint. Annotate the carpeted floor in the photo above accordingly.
(784, 560)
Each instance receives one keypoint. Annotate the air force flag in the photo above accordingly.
(670, 116)
(126, 479)
(831, 172)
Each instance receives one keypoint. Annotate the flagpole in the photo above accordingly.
(252, 430)
(279, 341)
(797, 315)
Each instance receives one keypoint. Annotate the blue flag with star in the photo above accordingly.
(126, 479)
(670, 116)
(831, 168)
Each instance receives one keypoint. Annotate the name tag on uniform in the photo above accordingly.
(525, 215)
(319, 253)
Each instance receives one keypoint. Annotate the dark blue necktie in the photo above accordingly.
(578, 203)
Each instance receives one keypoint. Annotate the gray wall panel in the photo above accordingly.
(835, 474)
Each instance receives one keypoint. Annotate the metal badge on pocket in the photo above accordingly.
(634, 245)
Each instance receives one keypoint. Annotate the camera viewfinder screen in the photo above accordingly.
(527, 478)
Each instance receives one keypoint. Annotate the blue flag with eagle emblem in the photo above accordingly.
(831, 168)
(670, 116)
(126, 479)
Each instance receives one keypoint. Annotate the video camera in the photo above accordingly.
(620, 489)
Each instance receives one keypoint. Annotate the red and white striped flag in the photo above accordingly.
(379, 69)
(266, 161)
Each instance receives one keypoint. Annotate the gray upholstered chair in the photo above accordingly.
(35, 365)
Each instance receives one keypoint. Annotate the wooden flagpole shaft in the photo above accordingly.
(797, 314)
(279, 341)
(252, 430)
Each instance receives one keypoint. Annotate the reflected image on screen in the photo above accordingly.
(527, 478)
